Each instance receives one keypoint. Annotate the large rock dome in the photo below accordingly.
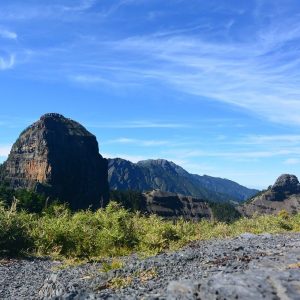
(60, 158)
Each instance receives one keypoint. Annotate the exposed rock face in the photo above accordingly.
(286, 184)
(284, 194)
(166, 176)
(59, 157)
(170, 205)
(124, 175)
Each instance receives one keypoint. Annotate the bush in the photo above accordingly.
(15, 238)
(85, 234)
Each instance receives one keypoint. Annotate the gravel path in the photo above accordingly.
(248, 267)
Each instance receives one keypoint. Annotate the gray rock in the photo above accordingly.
(286, 183)
(185, 290)
(250, 267)
(247, 235)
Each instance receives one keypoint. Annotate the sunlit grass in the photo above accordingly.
(114, 231)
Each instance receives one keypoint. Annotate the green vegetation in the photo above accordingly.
(26, 200)
(131, 200)
(114, 231)
(224, 212)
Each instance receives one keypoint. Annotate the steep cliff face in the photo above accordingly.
(170, 205)
(59, 157)
(166, 176)
(284, 194)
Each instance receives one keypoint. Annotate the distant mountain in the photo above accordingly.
(283, 195)
(166, 176)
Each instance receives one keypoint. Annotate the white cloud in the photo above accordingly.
(238, 155)
(224, 74)
(7, 63)
(91, 79)
(292, 161)
(289, 138)
(4, 150)
(259, 73)
(138, 142)
(138, 124)
(81, 6)
(6, 34)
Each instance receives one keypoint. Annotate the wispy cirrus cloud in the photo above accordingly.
(259, 77)
(138, 142)
(54, 10)
(7, 62)
(211, 59)
(292, 161)
(7, 34)
(82, 5)
(235, 155)
(283, 139)
(138, 124)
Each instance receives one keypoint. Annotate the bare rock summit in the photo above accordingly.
(286, 183)
(60, 158)
(283, 195)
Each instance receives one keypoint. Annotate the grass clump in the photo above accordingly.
(115, 264)
(114, 231)
(119, 282)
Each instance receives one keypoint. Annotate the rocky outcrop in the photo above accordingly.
(170, 205)
(60, 158)
(167, 176)
(285, 185)
(283, 195)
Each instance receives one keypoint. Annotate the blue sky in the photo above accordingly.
(211, 85)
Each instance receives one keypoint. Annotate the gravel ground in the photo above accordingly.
(248, 267)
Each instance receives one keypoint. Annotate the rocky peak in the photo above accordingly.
(286, 183)
(283, 195)
(162, 164)
(59, 157)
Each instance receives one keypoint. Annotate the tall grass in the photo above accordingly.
(114, 231)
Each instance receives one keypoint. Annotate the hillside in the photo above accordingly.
(167, 176)
(283, 195)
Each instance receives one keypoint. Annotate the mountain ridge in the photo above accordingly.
(167, 176)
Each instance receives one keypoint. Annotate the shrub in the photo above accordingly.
(284, 214)
(85, 234)
(115, 231)
(15, 237)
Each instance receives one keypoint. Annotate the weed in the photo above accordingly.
(113, 265)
